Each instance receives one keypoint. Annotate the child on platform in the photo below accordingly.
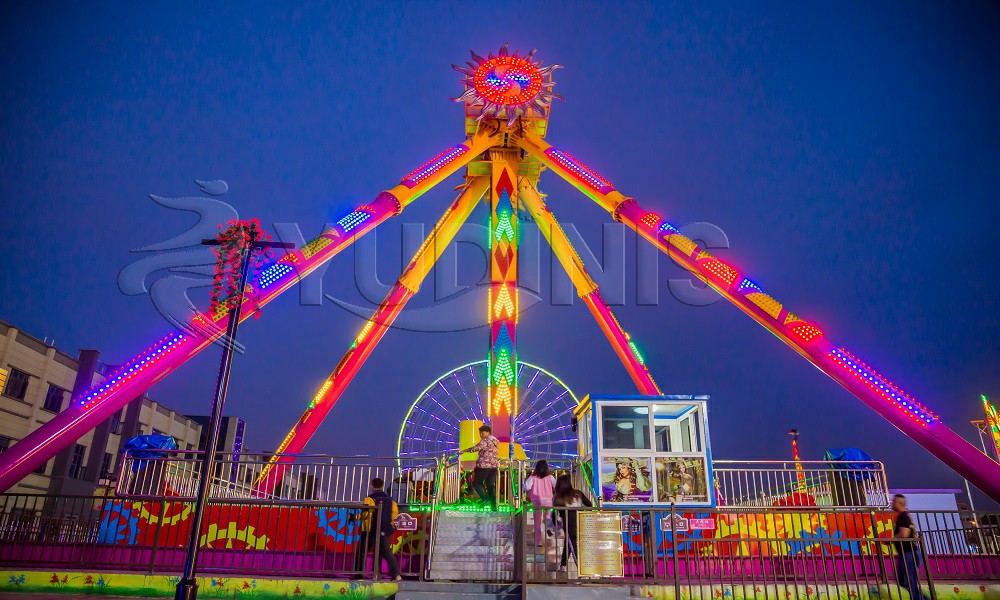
(540, 486)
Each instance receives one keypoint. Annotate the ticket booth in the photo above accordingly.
(646, 450)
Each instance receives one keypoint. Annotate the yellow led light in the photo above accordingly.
(503, 306)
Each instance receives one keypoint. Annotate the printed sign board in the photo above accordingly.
(599, 551)
(680, 523)
(405, 522)
(697, 524)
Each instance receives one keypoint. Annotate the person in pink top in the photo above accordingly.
(540, 486)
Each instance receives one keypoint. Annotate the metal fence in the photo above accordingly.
(767, 559)
(263, 537)
(456, 482)
(175, 474)
(753, 551)
(828, 484)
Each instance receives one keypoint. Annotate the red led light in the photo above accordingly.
(806, 332)
(507, 80)
(650, 220)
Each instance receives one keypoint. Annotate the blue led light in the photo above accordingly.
(749, 285)
(435, 164)
(353, 220)
(133, 367)
(882, 386)
(584, 173)
(272, 274)
(668, 229)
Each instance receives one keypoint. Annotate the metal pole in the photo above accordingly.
(187, 587)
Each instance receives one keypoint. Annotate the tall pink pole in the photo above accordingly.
(879, 393)
(159, 360)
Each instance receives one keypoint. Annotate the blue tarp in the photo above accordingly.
(856, 459)
(148, 446)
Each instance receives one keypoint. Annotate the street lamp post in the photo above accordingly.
(187, 587)
(800, 475)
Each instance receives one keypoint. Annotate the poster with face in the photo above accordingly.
(626, 479)
(680, 480)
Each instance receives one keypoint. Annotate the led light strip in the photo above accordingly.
(582, 172)
(882, 386)
(133, 368)
(434, 165)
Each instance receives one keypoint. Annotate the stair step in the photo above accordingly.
(426, 590)
(471, 575)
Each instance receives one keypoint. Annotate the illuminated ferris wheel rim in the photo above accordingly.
(473, 364)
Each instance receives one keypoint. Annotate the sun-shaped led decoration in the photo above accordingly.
(507, 85)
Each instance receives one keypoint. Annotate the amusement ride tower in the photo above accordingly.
(507, 100)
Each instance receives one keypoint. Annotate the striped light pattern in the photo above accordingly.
(882, 386)
(501, 402)
(580, 171)
(134, 368)
(434, 165)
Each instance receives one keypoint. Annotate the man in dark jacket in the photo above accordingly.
(383, 530)
(907, 553)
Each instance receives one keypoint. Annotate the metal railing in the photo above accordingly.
(175, 473)
(456, 484)
(244, 536)
(760, 554)
(820, 483)
(740, 549)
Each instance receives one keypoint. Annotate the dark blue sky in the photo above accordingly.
(850, 152)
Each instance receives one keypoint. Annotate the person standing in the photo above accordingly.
(570, 497)
(380, 533)
(484, 479)
(540, 486)
(906, 549)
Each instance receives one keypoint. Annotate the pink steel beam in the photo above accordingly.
(585, 286)
(159, 360)
(879, 393)
(371, 334)
(619, 341)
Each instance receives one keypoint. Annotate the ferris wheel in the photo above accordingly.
(542, 425)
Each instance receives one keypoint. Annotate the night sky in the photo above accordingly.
(851, 153)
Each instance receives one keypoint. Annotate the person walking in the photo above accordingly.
(540, 486)
(907, 553)
(380, 533)
(568, 496)
(484, 479)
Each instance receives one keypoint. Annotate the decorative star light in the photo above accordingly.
(507, 85)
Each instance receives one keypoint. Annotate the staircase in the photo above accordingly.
(472, 546)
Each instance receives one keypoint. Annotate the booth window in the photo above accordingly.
(676, 428)
(625, 427)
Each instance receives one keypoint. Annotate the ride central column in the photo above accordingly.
(503, 302)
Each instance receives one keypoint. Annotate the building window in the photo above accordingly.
(76, 462)
(117, 422)
(54, 399)
(17, 384)
(107, 464)
(5, 443)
